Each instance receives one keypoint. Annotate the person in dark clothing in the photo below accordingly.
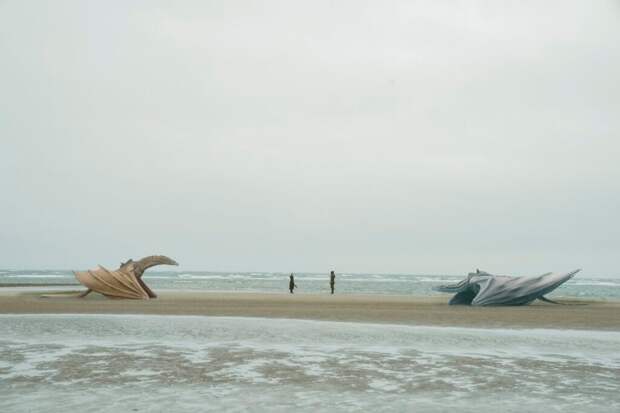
(291, 284)
(332, 280)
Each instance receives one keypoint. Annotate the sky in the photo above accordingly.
(426, 137)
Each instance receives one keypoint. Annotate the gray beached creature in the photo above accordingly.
(483, 289)
(125, 282)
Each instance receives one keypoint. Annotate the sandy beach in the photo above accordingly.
(432, 311)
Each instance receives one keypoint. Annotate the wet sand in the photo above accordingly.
(429, 311)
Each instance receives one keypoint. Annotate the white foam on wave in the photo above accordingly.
(437, 279)
(350, 278)
(594, 283)
(221, 277)
(298, 277)
(266, 397)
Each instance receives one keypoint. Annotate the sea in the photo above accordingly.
(152, 363)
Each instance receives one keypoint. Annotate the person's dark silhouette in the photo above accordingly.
(332, 280)
(291, 284)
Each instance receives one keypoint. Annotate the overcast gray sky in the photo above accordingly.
(365, 136)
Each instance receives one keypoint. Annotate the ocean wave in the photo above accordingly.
(299, 278)
(38, 276)
(437, 280)
(594, 283)
(219, 277)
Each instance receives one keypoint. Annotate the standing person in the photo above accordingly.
(291, 283)
(332, 280)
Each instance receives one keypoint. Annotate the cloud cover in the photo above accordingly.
(424, 136)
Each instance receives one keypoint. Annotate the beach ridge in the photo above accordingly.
(412, 310)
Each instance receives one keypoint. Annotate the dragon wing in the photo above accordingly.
(113, 284)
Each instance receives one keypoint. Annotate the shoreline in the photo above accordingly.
(386, 309)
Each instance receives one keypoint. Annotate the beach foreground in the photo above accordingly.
(430, 311)
(110, 363)
(188, 351)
